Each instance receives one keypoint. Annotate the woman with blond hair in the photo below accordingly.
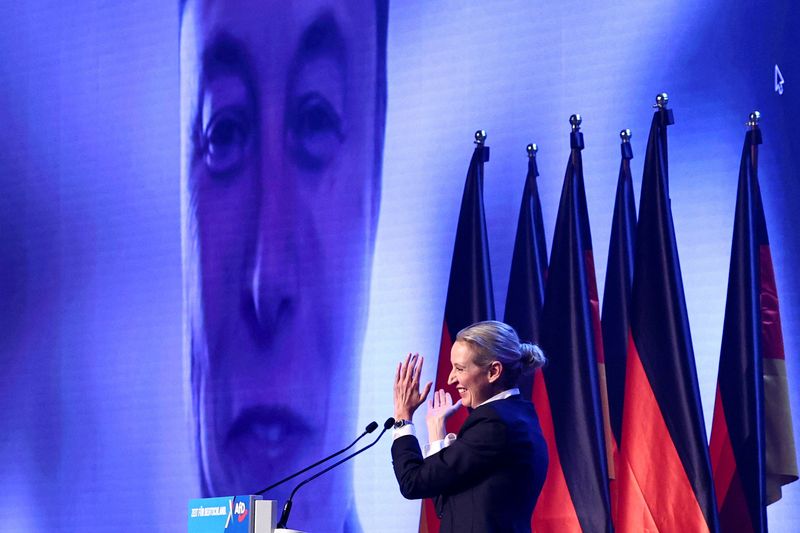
(488, 477)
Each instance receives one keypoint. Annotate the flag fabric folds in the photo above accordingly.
(528, 265)
(617, 292)
(575, 495)
(665, 479)
(752, 445)
(524, 309)
(616, 300)
(469, 292)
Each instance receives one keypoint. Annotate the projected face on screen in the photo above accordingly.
(282, 117)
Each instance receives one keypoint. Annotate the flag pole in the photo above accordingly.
(480, 140)
(575, 136)
(755, 137)
(755, 132)
(665, 114)
(625, 147)
(532, 149)
(753, 119)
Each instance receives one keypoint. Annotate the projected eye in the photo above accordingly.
(315, 131)
(225, 141)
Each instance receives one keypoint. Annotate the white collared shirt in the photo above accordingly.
(438, 445)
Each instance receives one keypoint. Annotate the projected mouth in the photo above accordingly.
(267, 440)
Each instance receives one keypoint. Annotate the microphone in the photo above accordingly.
(372, 426)
(287, 508)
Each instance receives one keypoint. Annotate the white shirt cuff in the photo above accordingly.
(408, 429)
(438, 445)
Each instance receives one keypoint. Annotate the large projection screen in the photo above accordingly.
(164, 335)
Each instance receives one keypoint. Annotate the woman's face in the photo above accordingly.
(471, 381)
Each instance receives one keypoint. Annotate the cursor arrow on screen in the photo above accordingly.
(778, 80)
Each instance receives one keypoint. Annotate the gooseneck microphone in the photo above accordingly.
(372, 426)
(287, 508)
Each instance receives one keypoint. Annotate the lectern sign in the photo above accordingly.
(231, 514)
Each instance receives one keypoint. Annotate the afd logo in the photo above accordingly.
(239, 510)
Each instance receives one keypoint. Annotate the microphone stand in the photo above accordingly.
(372, 426)
(287, 508)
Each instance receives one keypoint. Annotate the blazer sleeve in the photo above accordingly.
(482, 440)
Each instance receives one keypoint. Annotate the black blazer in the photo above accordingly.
(488, 480)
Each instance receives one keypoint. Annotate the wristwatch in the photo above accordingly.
(400, 423)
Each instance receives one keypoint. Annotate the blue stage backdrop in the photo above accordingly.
(223, 223)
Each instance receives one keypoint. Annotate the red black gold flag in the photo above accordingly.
(575, 495)
(617, 297)
(469, 291)
(664, 469)
(525, 297)
(617, 293)
(528, 265)
(752, 445)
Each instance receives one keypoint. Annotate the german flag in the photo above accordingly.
(619, 280)
(526, 295)
(665, 473)
(752, 445)
(575, 494)
(469, 291)
(617, 296)
(528, 265)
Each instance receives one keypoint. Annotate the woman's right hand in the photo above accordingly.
(407, 396)
(440, 408)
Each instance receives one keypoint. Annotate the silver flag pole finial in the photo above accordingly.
(752, 120)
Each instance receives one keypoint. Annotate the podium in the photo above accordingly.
(234, 514)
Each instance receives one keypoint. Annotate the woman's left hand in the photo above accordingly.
(407, 397)
(440, 408)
